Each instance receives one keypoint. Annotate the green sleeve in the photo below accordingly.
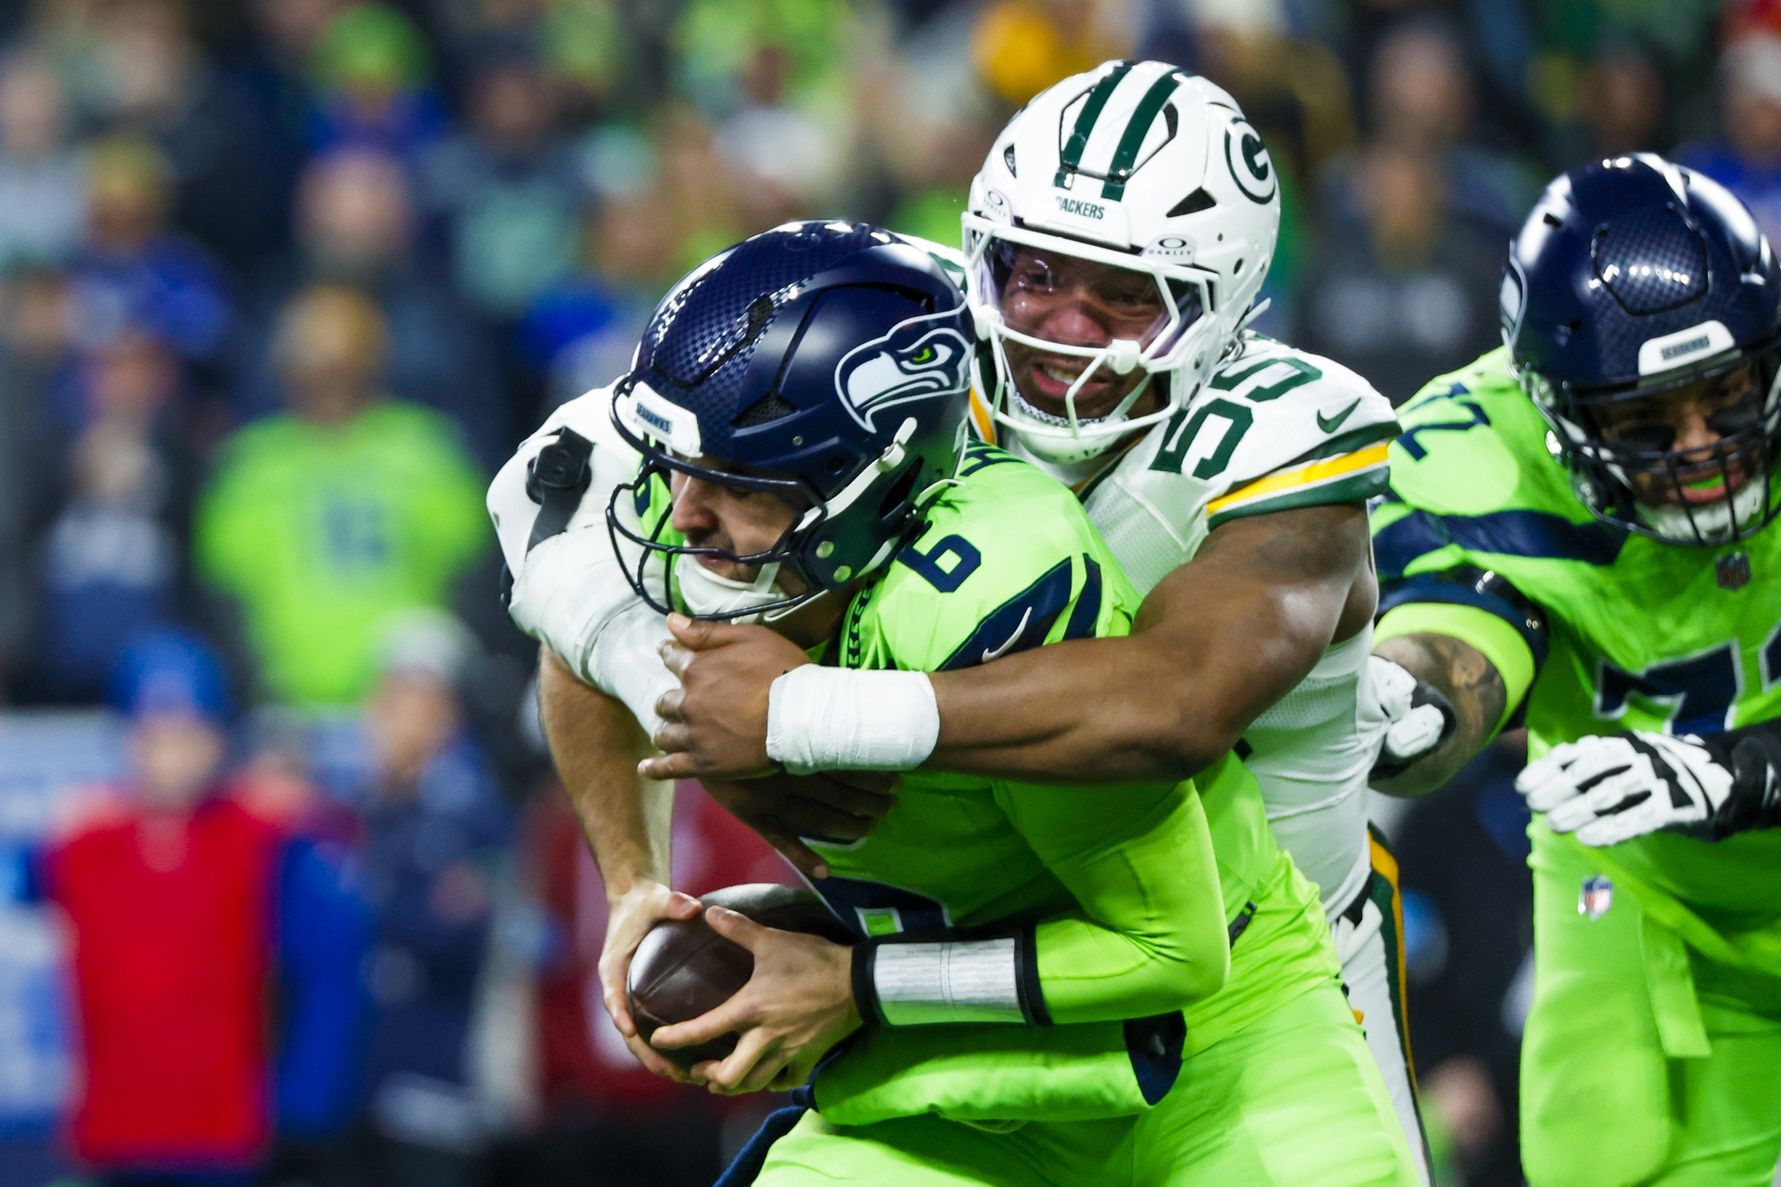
(1149, 935)
(456, 522)
(1009, 561)
(1476, 523)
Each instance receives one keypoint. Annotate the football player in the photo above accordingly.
(1579, 536)
(1117, 239)
(791, 436)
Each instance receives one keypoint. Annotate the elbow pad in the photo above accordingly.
(568, 587)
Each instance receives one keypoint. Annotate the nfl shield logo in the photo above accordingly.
(1596, 897)
(1733, 570)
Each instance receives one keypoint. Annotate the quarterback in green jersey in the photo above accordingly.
(1140, 978)
(1579, 537)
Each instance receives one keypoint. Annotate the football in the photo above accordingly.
(683, 968)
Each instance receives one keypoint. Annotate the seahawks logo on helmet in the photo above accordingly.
(915, 361)
(1247, 156)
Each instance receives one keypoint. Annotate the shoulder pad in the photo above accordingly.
(1473, 443)
(1277, 428)
(1007, 561)
(1303, 406)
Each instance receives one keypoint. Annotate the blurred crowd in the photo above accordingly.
(282, 281)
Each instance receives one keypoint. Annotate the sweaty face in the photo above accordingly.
(735, 519)
(1061, 298)
(1674, 443)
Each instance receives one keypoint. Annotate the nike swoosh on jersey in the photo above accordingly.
(1002, 649)
(1331, 424)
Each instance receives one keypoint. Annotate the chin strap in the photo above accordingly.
(1249, 316)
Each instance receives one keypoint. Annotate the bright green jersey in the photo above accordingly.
(325, 533)
(1121, 884)
(1009, 560)
(1625, 632)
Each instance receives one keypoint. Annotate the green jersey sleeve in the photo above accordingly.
(1120, 886)
(1008, 561)
(1150, 931)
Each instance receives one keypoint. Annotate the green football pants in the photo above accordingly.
(1603, 1104)
(1293, 1100)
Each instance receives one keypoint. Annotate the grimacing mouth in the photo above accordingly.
(1044, 379)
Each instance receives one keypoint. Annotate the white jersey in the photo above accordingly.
(1275, 428)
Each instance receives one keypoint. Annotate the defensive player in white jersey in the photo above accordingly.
(1117, 239)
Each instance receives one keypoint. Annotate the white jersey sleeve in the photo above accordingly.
(1318, 432)
(515, 511)
(1274, 430)
(568, 585)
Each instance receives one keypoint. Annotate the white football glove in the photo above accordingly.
(1405, 718)
(1610, 789)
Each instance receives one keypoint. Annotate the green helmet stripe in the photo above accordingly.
(1071, 161)
(1126, 154)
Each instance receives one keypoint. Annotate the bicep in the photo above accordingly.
(584, 726)
(1261, 602)
(1216, 642)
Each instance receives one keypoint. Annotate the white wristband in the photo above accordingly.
(836, 719)
(624, 661)
(914, 983)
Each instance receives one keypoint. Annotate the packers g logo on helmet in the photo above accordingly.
(1251, 167)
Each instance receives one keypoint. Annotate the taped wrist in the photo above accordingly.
(624, 661)
(834, 719)
(923, 983)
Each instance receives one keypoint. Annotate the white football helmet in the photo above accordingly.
(1124, 218)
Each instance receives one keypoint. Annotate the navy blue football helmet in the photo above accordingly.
(827, 363)
(1632, 280)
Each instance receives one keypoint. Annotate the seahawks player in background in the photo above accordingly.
(1579, 535)
(1138, 975)
(1117, 238)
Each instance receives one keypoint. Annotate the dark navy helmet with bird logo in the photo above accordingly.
(826, 363)
(1642, 310)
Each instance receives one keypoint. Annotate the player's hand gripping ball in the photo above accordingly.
(683, 968)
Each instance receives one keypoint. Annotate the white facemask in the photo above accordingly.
(1047, 437)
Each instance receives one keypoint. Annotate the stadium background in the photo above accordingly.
(282, 281)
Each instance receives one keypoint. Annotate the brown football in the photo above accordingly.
(683, 968)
